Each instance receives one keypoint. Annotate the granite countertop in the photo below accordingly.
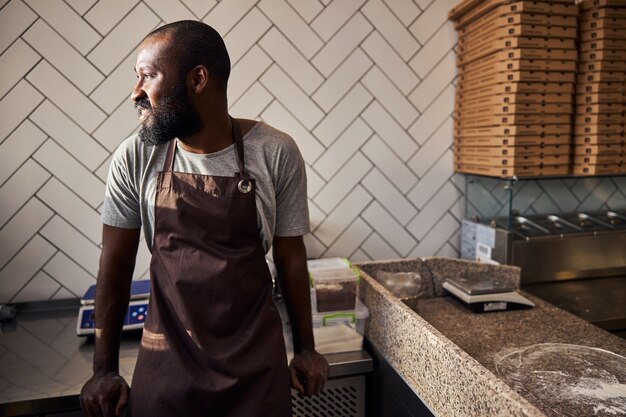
(534, 362)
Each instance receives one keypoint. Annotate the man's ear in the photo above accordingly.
(199, 79)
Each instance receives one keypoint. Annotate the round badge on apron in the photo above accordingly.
(212, 342)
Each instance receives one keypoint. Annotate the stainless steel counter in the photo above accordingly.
(43, 364)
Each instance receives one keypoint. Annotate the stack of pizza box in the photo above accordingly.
(600, 122)
(516, 64)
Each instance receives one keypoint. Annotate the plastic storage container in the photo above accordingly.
(340, 331)
(334, 284)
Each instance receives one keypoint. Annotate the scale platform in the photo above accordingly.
(135, 317)
(485, 296)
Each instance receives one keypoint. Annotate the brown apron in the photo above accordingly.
(212, 343)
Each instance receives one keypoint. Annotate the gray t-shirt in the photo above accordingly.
(271, 158)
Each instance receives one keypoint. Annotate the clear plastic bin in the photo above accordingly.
(334, 283)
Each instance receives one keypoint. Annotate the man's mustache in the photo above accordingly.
(143, 103)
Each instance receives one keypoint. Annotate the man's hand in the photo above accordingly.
(104, 396)
(308, 370)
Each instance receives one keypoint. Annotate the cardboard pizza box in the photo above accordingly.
(475, 9)
(586, 5)
(500, 17)
(514, 171)
(599, 159)
(600, 149)
(479, 51)
(464, 110)
(492, 31)
(519, 88)
(591, 98)
(591, 169)
(512, 98)
(601, 76)
(493, 61)
(516, 160)
(602, 13)
(597, 139)
(598, 44)
(601, 87)
(465, 122)
(596, 129)
(608, 33)
(525, 53)
(600, 119)
(603, 23)
(510, 141)
(603, 66)
(599, 108)
(512, 151)
(514, 130)
(601, 55)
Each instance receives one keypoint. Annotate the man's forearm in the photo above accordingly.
(112, 296)
(117, 264)
(290, 260)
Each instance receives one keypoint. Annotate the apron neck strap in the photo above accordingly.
(238, 139)
(168, 165)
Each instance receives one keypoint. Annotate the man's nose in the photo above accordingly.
(137, 92)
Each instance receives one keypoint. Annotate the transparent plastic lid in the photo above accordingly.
(331, 270)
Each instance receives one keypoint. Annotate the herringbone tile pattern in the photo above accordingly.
(364, 87)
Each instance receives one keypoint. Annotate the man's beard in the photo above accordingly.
(174, 117)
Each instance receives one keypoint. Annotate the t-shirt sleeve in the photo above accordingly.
(121, 206)
(292, 210)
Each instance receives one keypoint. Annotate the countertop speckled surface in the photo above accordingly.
(536, 362)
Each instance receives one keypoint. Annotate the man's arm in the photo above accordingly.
(106, 393)
(308, 369)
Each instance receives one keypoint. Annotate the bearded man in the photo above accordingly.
(212, 194)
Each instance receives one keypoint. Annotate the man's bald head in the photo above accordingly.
(196, 43)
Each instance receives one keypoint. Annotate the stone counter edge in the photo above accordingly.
(446, 378)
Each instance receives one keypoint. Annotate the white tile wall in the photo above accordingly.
(346, 178)
(389, 130)
(15, 62)
(333, 17)
(66, 96)
(290, 60)
(62, 55)
(390, 62)
(15, 17)
(124, 38)
(67, 134)
(389, 97)
(340, 117)
(69, 171)
(200, 7)
(67, 22)
(246, 34)
(342, 80)
(104, 15)
(16, 105)
(292, 26)
(170, 11)
(364, 88)
(342, 149)
(308, 9)
(21, 228)
(391, 28)
(18, 147)
(342, 44)
(18, 189)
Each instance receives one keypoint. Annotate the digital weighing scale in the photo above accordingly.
(484, 295)
(135, 317)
